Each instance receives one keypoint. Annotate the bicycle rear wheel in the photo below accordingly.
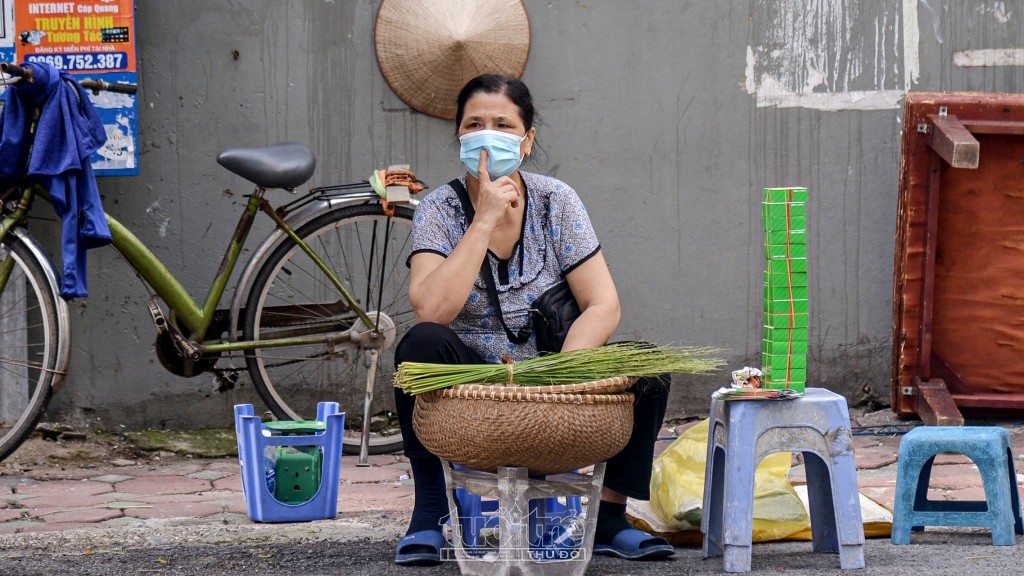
(29, 336)
(290, 296)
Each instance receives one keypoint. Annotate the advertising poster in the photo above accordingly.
(92, 39)
(6, 32)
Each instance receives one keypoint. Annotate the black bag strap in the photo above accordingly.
(523, 335)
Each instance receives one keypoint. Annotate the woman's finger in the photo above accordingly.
(482, 174)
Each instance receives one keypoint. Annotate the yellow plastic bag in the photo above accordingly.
(677, 489)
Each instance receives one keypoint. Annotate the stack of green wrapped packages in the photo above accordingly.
(784, 353)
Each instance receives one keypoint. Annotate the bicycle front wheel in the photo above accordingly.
(292, 298)
(29, 336)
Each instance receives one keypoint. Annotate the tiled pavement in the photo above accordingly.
(198, 490)
(190, 490)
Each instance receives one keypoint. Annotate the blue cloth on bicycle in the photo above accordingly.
(69, 131)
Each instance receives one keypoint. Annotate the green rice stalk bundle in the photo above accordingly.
(573, 367)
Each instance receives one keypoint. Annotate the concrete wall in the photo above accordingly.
(668, 117)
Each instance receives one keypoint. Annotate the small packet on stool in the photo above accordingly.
(747, 377)
(746, 385)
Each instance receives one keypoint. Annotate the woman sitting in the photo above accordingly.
(529, 232)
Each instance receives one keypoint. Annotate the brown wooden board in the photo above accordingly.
(958, 294)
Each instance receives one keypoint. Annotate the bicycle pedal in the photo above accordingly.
(223, 383)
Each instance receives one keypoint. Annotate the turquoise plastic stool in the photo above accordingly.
(989, 448)
(253, 440)
(741, 433)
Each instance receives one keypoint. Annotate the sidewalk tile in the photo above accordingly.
(872, 457)
(168, 498)
(85, 515)
(175, 510)
(17, 526)
(66, 488)
(954, 476)
(226, 464)
(16, 498)
(211, 475)
(884, 496)
(224, 494)
(69, 501)
(118, 522)
(112, 478)
(7, 514)
(226, 504)
(373, 460)
(122, 505)
(972, 493)
(164, 484)
(187, 520)
(357, 475)
(124, 496)
(230, 517)
(172, 469)
(53, 476)
(60, 526)
(877, 482)
(16, 482)
(946, 459)
(363, 497)
(233, 483)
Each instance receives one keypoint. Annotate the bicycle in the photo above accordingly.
(294, 318)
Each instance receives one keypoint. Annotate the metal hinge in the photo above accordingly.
(908, 390)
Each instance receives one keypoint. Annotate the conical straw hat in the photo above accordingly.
(428, 49)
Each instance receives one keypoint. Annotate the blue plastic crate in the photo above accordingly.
(253, 440)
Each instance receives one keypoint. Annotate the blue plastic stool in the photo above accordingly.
(253, 440)
(477, 514)
(989, 448)
(741, 433)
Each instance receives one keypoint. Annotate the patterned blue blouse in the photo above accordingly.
(557, 237)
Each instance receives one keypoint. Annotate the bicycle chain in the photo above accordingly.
(275, 365)
(227, 378)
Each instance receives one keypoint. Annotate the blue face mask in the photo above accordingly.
(503, 156)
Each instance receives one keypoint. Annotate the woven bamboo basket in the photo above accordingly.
(548, 429)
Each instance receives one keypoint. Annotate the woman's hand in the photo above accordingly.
(439, 286)
(494, 198)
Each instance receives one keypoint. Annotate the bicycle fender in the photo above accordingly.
(63, 315)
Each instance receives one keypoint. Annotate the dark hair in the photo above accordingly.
(516, 91)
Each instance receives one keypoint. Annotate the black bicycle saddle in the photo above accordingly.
(286, 165)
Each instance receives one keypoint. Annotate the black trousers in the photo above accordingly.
(628, 472)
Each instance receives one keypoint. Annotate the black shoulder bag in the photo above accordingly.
(553, 312)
